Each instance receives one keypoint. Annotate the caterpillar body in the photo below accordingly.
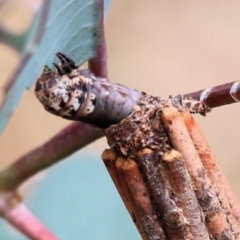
(74, 93)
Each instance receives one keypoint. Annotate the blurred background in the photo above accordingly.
(163, 47)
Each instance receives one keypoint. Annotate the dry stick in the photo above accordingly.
(181, 141)
(75, 136)
(186, 198)
(225, 194)
(219, 95)
(129, 198)
(175, 224)
(110, 157)
(142, 203)
(19, 216)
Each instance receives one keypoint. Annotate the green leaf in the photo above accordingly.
(72, 27)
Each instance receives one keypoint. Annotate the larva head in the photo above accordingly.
(65, 92)
(53, 90)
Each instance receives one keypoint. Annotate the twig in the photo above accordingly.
(219, 95)
(182, 221)
(110, 157)
(161, 190)
(16, 213)
(142, 201)
(70, 139)
(130, 201)
(186, 198)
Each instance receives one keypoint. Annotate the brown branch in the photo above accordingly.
(219, 95)
(206, 195)
(70, 139)
(16, 213)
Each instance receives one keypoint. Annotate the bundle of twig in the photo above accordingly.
(167, 175)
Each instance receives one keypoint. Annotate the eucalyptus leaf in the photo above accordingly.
(72, 27)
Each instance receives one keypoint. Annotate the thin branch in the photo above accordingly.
(98, 65)
(219, 95)
(16, 213)
(70, 139)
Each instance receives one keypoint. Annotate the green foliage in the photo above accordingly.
(72, 27)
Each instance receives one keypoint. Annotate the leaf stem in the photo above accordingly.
(98, 65)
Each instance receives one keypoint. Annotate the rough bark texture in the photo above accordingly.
(167, 175)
